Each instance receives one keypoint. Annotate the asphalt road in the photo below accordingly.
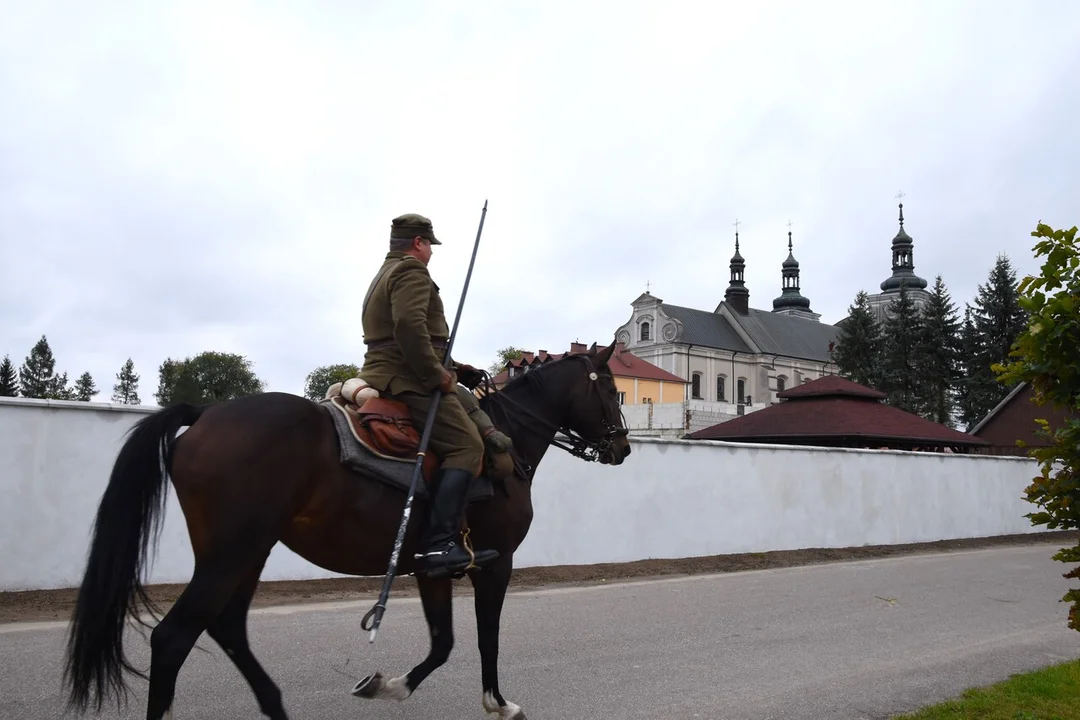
(851, 640)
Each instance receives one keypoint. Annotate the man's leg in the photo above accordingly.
(457, 442)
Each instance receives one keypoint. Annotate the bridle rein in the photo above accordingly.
(588, 449)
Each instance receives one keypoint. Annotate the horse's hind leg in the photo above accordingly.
(229, 630)
(489, 587)
(437, 599)
(208, 593)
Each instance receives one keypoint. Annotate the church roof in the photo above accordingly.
(833, 411)
(773, 333)
(788, 335)
(708, 329)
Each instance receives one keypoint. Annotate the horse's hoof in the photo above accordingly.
(509, 711)
(370, 686)
(376, 687)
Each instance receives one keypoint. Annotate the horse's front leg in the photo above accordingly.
(437, 599)
(489, 589)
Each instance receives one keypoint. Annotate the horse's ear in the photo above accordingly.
(604, 355)
(592, 350)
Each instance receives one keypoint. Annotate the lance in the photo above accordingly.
(375, 615)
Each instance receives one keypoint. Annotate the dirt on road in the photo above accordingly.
(46, 605)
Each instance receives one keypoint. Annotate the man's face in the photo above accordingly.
(423, 249)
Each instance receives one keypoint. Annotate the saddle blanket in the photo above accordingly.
(395, 472)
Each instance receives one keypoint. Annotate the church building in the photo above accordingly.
(736, 357)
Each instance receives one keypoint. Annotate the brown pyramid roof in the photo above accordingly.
(836, 412)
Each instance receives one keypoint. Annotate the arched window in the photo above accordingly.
(695, 386)
(741, 391)
(644, 331)
(781, 383)
(721, 388)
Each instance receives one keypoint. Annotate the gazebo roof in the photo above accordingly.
(832, 410)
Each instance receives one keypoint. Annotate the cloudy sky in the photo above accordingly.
(186, 176)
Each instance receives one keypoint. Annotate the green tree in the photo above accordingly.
(937, 359)
(899, 353)
(1044, 356)
(205, 378)
(998, 319)
(36, 378)
(504, 356)
(857, 352)
(126, 389)
(59, 388)
(972, 394)
(84, 388)
(9, 379)
(321, 378)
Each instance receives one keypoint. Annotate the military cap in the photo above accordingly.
(411, 225)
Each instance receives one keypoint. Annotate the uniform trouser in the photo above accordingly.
(454, 437)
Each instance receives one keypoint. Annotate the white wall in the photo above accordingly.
(667, 416)
(670, 499)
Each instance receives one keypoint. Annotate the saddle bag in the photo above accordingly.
(389, 425)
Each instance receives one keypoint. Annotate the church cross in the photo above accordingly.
(900, 195)
(736, 224)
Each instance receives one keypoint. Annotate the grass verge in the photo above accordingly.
(1052, 693)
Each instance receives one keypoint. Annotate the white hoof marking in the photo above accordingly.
(506, 712)
(376, 688)
(396, 689)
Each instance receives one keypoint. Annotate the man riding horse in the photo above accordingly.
(406, 334)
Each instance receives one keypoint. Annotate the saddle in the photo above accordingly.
(377, 435)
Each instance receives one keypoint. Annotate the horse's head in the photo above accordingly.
(593, 414)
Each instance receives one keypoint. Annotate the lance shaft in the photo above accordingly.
(375, 615)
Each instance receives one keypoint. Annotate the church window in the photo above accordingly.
(721, 388)
(695, 385)
(742, 391)
(644, 331)
(781, 383)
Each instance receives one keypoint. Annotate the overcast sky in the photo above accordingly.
(186, 176)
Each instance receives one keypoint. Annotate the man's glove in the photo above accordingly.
(469, 376)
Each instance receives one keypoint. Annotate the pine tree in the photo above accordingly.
(59, 388)
(997, 320)
(971, 393)
(84, 388)
(900, 333)
(9, 380)
(36, 374)
(938, 356)
(857, 351)
(125, 391)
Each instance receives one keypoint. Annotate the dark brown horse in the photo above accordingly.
(263, 469)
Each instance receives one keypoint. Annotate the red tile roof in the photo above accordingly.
(832, 409)
(831, 386)
(623, 364)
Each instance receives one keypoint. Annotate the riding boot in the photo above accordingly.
(445, 555)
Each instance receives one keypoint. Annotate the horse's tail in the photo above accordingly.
(132, 506)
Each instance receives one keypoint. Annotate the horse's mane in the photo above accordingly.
(490, 391)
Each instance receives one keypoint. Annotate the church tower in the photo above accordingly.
(791, 300)
(737, 295)
(903, 273)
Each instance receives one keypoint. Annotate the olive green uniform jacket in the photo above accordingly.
(405, 328)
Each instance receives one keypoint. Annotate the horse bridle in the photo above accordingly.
(589, 450)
